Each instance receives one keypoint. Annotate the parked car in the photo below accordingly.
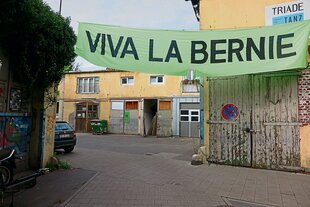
(65, 137)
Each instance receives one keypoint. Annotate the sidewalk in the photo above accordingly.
(52, 189)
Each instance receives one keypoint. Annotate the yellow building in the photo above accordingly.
(273, 126)
(129, 101)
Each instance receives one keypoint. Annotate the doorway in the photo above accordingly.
(149, 112)
(189, 119)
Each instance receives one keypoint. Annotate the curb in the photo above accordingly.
(78, 191)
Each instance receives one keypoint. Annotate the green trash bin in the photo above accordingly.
(99, 126)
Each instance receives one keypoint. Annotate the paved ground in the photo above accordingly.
(130, 171)
(137, 171)
(51, 189)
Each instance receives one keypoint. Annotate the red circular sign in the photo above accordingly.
(230, 112)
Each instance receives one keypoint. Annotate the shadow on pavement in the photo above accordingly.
(53, 189)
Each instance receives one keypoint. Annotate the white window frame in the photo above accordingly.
(83, 85)
(190, 115)
(127, 78)
(156, 79)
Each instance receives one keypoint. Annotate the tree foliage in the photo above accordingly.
(39, 42)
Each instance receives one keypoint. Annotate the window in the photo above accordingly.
(117, 105)
(126, 80)
(190, 83)
(62, 126)
(194, 116)
(88, 85)
(131, 105)
(187, 115)
(91, 109)
(159, 79)
(164, 105)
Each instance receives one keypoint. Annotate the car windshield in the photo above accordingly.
(63, 126)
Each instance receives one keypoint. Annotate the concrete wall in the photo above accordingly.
(49, 127)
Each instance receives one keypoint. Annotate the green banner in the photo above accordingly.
(210, 52)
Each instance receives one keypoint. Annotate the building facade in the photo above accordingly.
(272, 129)
(133, 103)
(25, 125)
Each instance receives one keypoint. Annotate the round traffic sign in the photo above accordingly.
(230, 112)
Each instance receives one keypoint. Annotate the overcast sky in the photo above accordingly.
(149, 14)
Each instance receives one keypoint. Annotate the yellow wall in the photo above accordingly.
(110, 88)
(229, 14)
(305, 146)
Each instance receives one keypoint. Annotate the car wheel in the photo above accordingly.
(68, 149)
(7, 174)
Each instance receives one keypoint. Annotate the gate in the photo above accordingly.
(275, 121)
(229, 143)
(265, 131)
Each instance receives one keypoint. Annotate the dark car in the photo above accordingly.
(65, 137)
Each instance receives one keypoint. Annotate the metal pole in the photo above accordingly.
(60, 7)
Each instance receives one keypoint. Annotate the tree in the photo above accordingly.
(39, 42)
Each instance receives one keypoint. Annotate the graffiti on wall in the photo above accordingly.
(14, 132)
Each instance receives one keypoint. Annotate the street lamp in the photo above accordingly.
(60, 4)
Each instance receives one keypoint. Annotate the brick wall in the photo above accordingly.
(304, 97)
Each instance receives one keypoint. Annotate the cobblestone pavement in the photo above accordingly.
(137, 171)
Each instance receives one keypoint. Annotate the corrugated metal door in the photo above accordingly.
(275, 121)
(116, 124)
(229, 143)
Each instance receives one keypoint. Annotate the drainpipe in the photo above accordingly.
(63, 97)
(201, 95)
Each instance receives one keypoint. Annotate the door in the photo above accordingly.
(264, 133)
(80, 119)
(189, 119)
(229, 143)
(275, 121)
(116, 124)
(131, 117)
(164, 118)
(85, 112)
